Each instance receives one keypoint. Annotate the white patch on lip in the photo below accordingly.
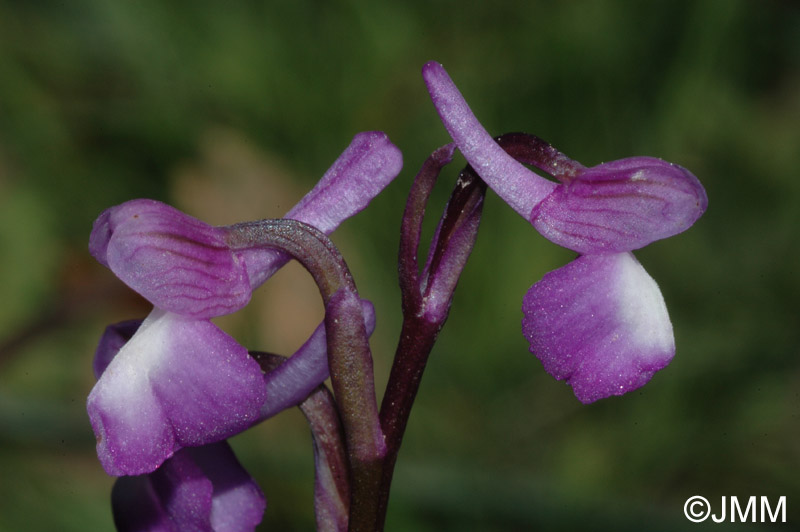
(123, 390)
(641, 309)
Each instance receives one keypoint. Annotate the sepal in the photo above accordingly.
(175, 261)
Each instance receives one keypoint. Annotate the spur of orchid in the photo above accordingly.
(172, 388)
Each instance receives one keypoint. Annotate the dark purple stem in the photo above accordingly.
(426, 298)
(411, 226)
(349, 356)
(530, 149)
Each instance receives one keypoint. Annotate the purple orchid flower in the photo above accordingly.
(599, 323)
(199, 489)
(205, 488)
(181, 381)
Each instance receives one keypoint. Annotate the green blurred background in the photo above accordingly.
(232, 110)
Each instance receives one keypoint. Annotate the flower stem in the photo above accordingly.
(349, 357)
(331, 489)
(426, 297)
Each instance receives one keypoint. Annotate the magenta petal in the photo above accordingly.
(600, 323)
(178, 382)
(237, 503)
(521, 188)
(620, 206)
(175, 261)
(360, 173)
(199, 489)
(291, 382)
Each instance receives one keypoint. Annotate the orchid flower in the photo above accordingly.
(599, 323)
(181, 381)
(205, 488)
(199, 489)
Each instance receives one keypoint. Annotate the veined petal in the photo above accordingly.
(175, 261)
(177, 382)
(621, 206)
(521, 188)
(600, 323)
(197, 490)
(360, 173)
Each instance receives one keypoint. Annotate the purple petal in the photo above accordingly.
(114, 337)
(198, 489)
(137, 507)
(184, 492)
(177, 262)
(358, 175)
(290, 383)
(178, 382)
(600, 323)
(521, 188)
(620, 206)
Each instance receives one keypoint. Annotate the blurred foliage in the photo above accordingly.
(235, 109)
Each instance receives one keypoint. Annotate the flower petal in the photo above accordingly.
(198, 489)
(237, 503)
(360, 173)
(114, 337)
(521, 188)
(600, 323)
(175, 261)
(621, 206)
(291, 382)
(177, 382)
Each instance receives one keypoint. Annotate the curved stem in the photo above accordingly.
(349, 357)
(530, 149)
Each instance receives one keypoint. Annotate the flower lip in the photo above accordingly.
(177, 382)
(600, 323)
(200, 488)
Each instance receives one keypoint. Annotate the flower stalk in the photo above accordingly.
(426, 296)
(331, 488)
(349, 357)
